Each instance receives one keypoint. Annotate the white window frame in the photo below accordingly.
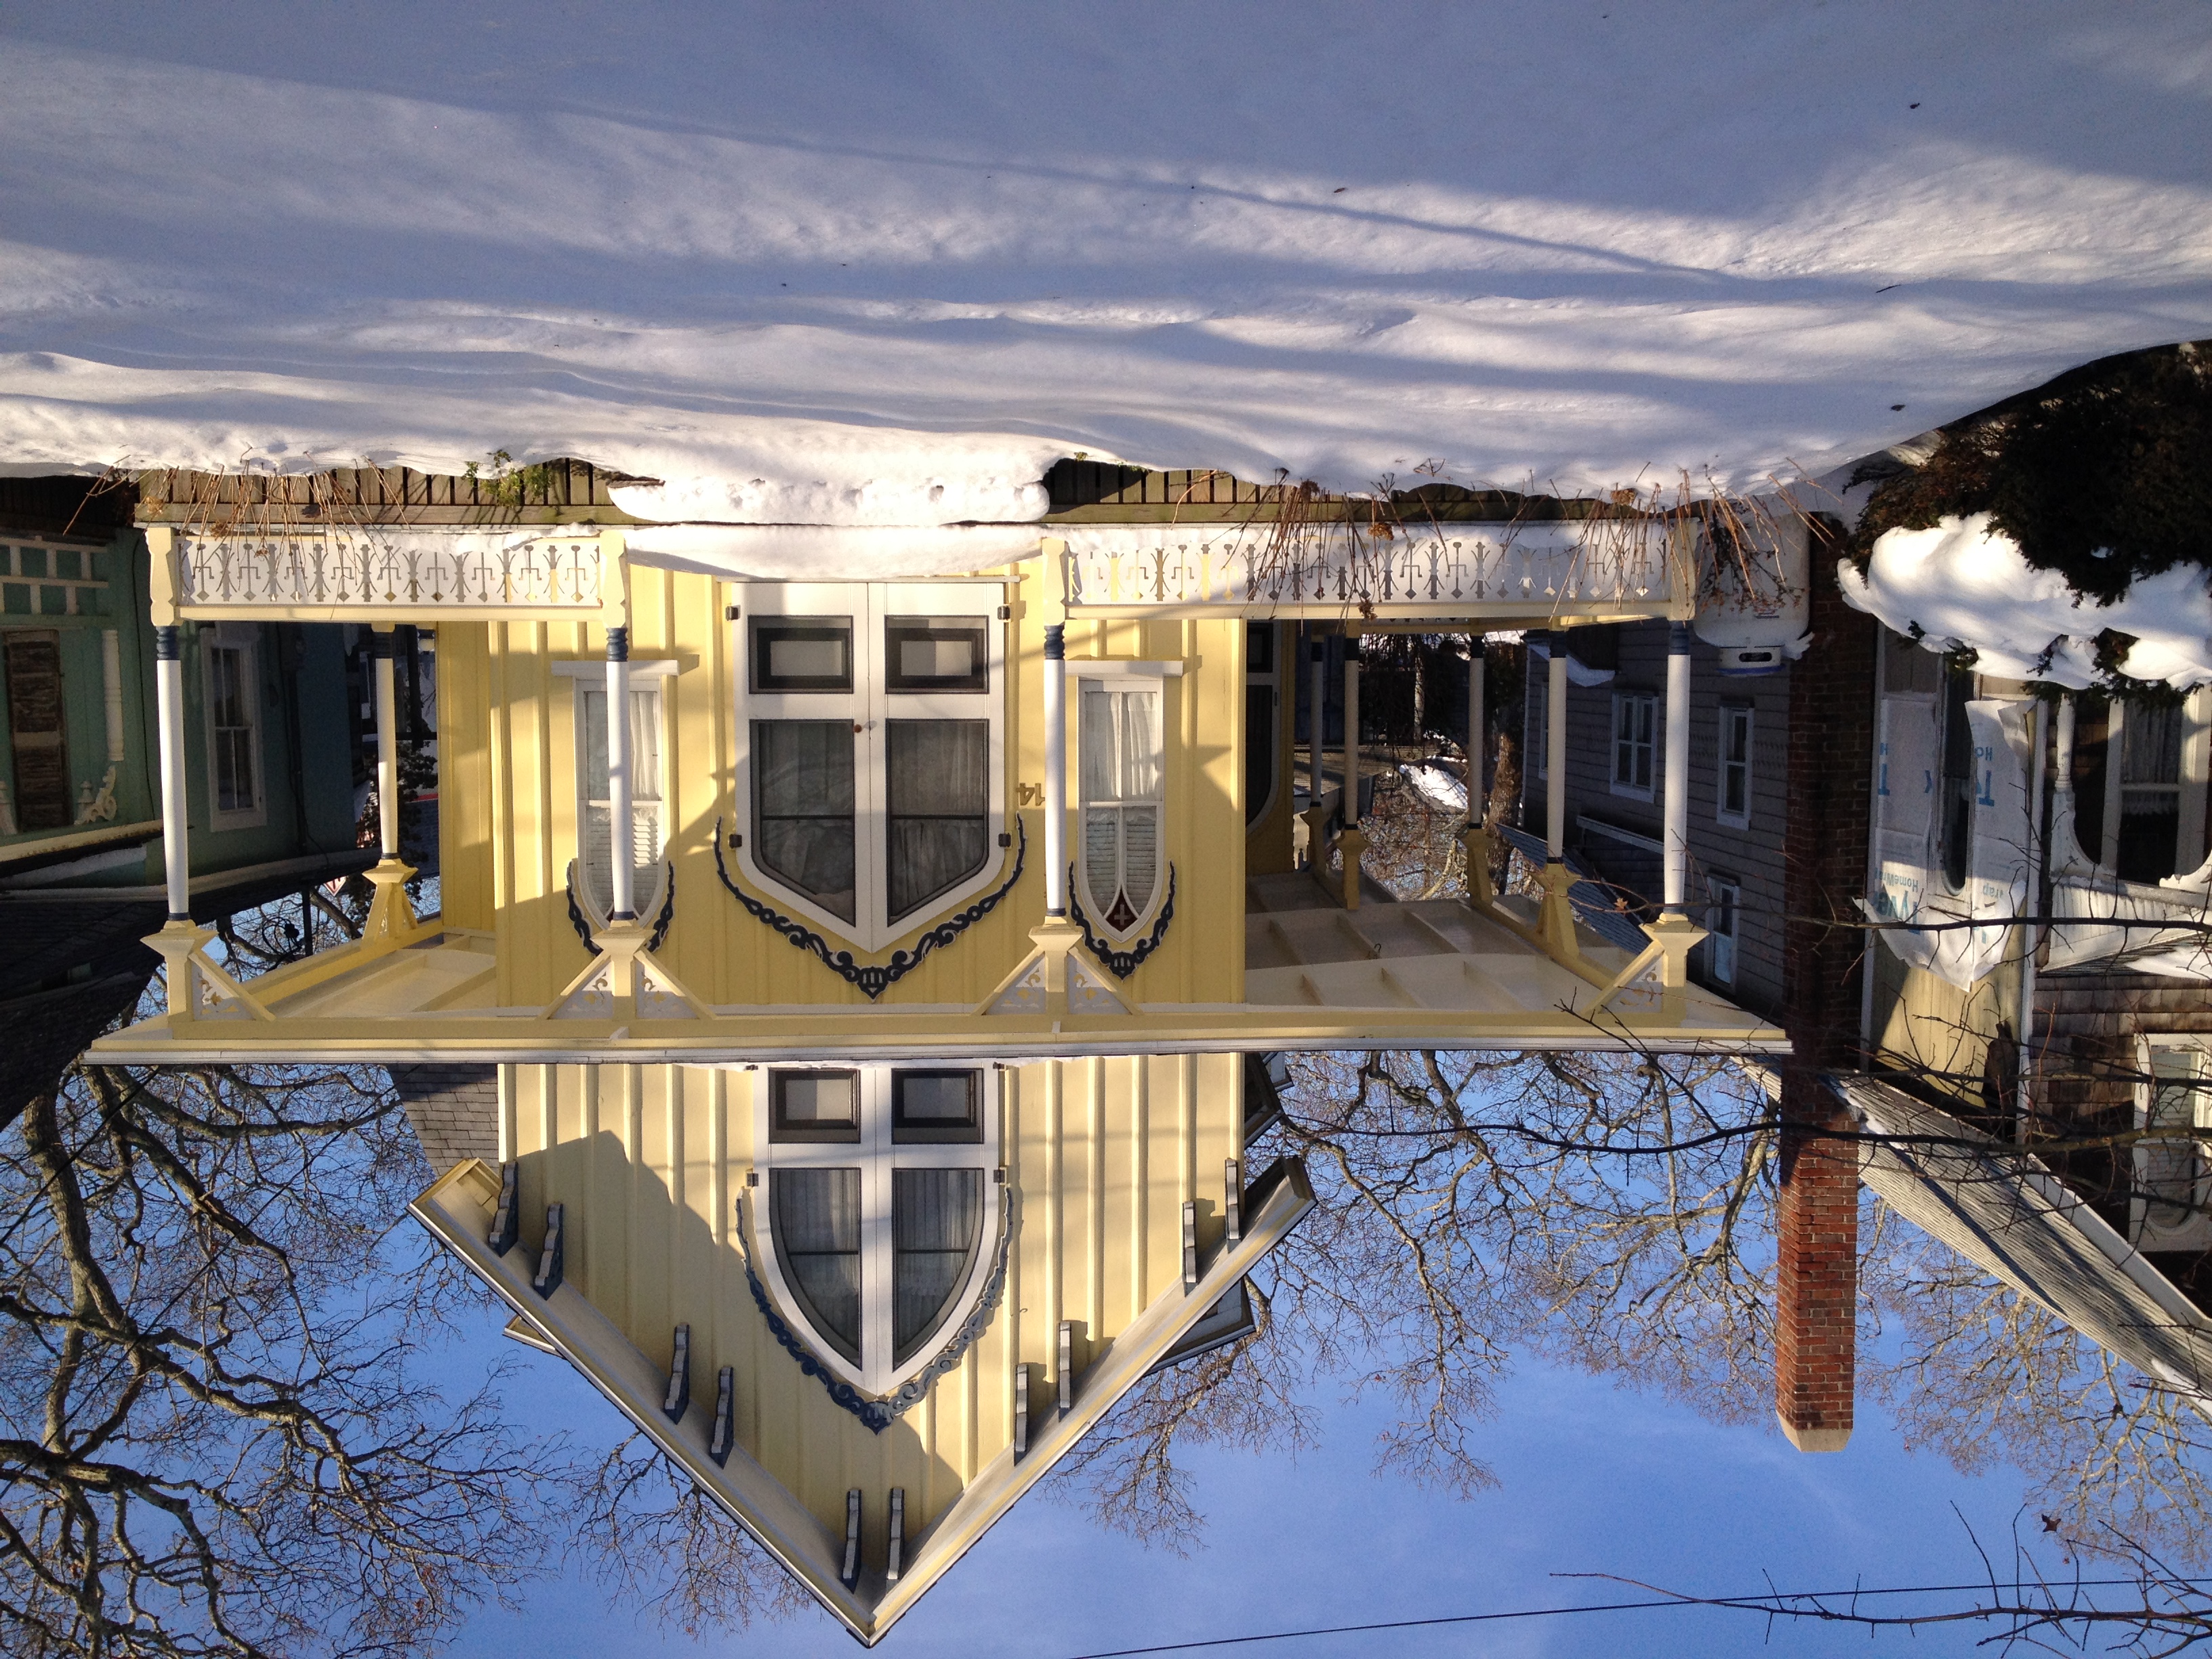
(1625, 703)
(1723, 944)
(2146, 1229)
(877, 1156)
(244, 638)
(1096, 905)
(647, 679)
(1733, 715)
(870, 705)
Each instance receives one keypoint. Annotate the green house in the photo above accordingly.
(269, 769)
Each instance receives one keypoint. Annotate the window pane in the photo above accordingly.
(1097, 746)
(2151, 743)
(1119, 740)
(644, 740)
(937, 1106)
(802, 653)
(937, 1219)
(936, 654)
(937, 1097)
(803, 808)
(817, 1218)
(1102, 851)
(230, 714)
(1140, 854)
(813, 1106)
(938, 780)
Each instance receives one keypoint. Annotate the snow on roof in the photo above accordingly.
(881, 264)
(1961, 583)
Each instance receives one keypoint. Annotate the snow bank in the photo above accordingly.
(1962, 584)
(878, 263)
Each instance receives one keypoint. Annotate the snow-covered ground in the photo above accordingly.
(881, 263)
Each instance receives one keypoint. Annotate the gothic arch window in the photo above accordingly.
(878, 1216)
(1122, 771)
(870, 750)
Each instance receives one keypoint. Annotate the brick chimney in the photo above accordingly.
(1831, 800)
(1816, 1277)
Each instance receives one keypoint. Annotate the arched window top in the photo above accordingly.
(878, 1222)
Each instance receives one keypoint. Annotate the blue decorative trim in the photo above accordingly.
(618, 645)
(581, 923)
(880, 1413)
(1121, 962)
(168, 644)
(873, 978)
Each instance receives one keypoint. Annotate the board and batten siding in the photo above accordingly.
(509, 794)
(650, 1162)
(1752, 857)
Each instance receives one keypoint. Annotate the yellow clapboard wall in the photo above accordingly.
(650, 1162)
(507, 789)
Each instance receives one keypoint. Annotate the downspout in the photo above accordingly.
(2030, 932)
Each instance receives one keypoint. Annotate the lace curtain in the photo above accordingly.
(937, 774)
(644, 786)
(937, 1218)
(816, 1215)
(802, 801)
(1119, 739)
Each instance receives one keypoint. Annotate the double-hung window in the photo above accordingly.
(1734, 804)
(880, 1219)
(648, 826)
(1123, 768)
(231, 694)
(1635, 736)
(870, 750)
(1723, 925)
(2175, 1109)
(596, 812)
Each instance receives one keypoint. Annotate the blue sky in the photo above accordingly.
(1594, 1478)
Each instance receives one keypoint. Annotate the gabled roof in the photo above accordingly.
(459, 1209)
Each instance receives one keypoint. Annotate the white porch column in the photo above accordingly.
(1352, 731)
(1477, 736)
(169, 708)
(1055, 771)
(1555, 754)
(387, 742)
(622, 833)
(1676, 855)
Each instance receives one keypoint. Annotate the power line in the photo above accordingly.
(1761, 1601)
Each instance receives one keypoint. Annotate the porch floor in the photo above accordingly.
(1302, 948)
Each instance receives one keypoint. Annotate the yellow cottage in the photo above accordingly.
(879, 1004)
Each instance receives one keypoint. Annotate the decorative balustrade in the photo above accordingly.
(1579, 567)
(368, 571)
